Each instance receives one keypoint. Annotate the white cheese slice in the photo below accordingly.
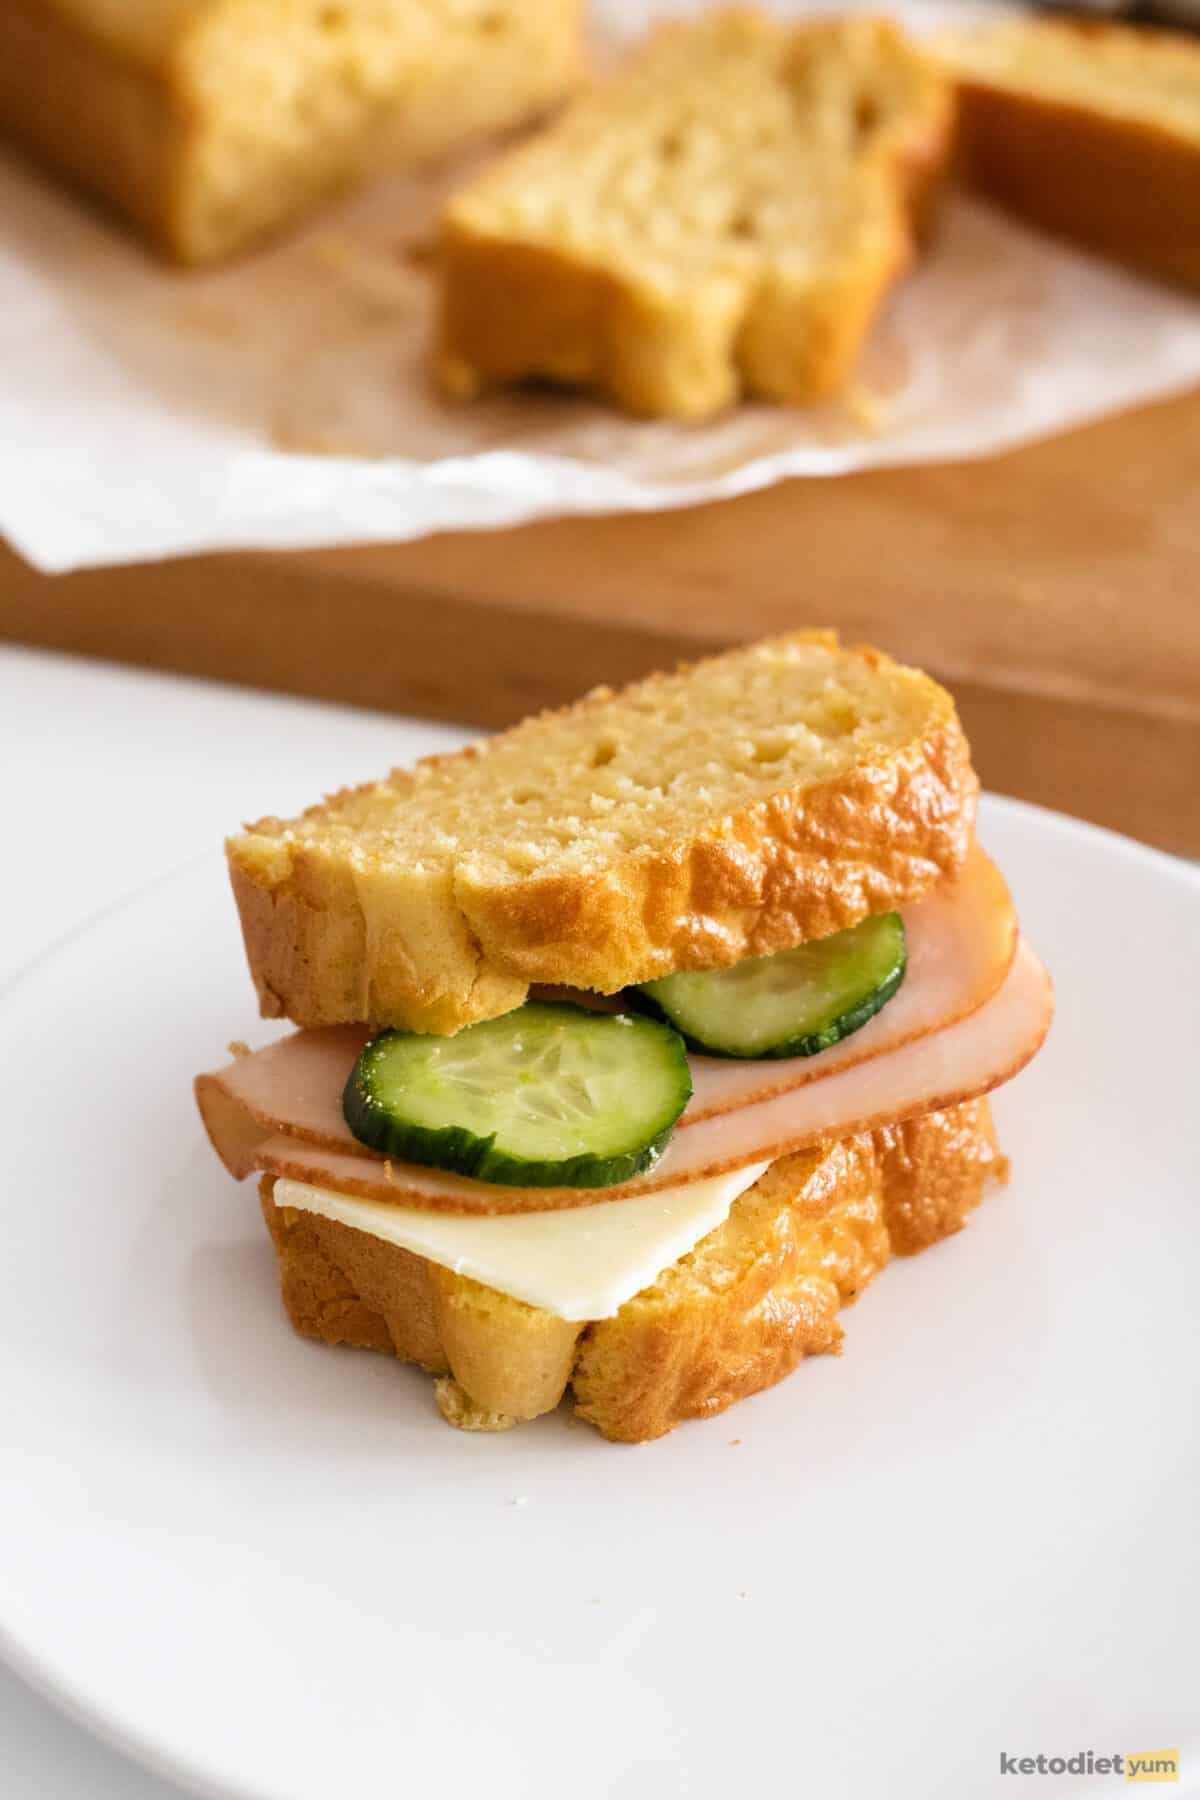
(582, 1262)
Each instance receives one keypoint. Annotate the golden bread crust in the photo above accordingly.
(736, 1315)
(1122, 180)
(546, 290)
(689, 1351)
(96, 114)
(340, 926)
(798, 865)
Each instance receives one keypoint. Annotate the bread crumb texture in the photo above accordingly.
(738, 1313)
(458, 1409)
(725, 214)
(737, 807)
(214, 122)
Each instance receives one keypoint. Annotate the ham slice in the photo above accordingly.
(943, 1067)
(961, 940)
(294, 1087)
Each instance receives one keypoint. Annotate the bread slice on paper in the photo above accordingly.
(725, 215)
(211, 123)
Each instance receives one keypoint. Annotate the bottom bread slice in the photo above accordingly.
(738, 1313)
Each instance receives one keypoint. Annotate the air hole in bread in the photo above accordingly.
(840, 717)
(866, 115)
(603, 753)
(332, 18)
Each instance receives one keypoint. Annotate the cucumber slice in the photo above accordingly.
(547, 1096)
(795, 1003)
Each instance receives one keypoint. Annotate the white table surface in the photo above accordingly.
(109, 777)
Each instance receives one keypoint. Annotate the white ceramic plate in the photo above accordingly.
(271, 1570)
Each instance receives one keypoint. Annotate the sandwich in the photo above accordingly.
(632, 1042)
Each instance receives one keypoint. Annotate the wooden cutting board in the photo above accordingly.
(1056, 590)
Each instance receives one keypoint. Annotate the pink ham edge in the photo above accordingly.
(293, 1087)
(961, 940)
(943, 1068)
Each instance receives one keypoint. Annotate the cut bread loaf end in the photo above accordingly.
(211, 123)
(1087, 129)
(726, 214)
(738, 1313)
(734, 808)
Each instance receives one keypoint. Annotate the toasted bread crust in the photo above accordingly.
(521, 298)
(510, 310)
(1125, 185)
(758, 1295)
(797, 866)
(1129, 190)
(95, 112)
(331, 938)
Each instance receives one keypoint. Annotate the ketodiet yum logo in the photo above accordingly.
(1129, 1765)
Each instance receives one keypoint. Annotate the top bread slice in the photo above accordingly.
(1088, 129)
(727, 213)
(213, 122)
(734, 808)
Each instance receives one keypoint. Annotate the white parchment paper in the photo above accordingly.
(285, 402)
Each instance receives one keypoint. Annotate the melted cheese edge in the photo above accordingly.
(581, 1263)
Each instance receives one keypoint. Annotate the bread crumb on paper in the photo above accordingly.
(458, 1409)
(866, 409)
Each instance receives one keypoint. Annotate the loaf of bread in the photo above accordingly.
(1088, 129)
(737, 807)
(725, 215)
(213, 122)
(735, 1315)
